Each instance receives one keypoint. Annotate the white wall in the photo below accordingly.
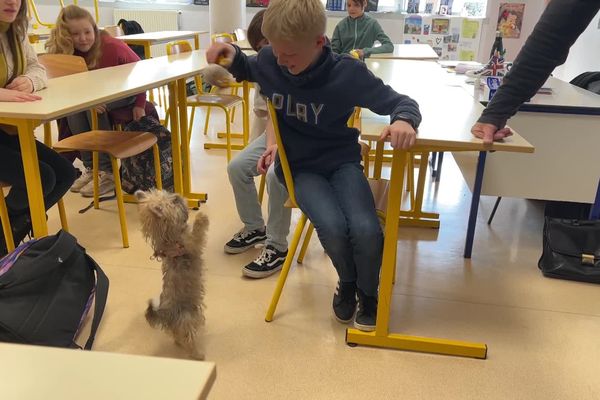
(584, 55)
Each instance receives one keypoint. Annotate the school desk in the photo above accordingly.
(446, 126)
(38, 372)
(408, 52)
(563, 127)
(63, 97)
(149, 39)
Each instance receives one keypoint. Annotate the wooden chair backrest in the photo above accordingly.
(58, 65)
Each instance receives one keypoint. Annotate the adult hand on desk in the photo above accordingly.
(16, 96)
(489, 132)
(220, 53)
(402, 135)
(22, 84)
(267, 158)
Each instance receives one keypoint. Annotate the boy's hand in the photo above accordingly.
(489, 132)
(267, 158)
(402, 135)
(220, 53)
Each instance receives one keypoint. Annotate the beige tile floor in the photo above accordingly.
(542, 334)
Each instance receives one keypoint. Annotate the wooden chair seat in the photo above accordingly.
(4, 185)
(224, 100)
(122, 145)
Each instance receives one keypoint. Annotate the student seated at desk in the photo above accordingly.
(358, 32)
(20, 76)
(241, 171)
(315, 92)
(76, 33)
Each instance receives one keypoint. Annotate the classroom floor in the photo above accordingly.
(542, 334)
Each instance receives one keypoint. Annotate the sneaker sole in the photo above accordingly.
(238, 250)
(364, 328)
(341, 321)
(100, 193)
(260, 274)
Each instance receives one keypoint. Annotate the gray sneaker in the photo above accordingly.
(106, 184)
(85, 178)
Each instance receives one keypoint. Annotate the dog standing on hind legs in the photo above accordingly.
(180, 309)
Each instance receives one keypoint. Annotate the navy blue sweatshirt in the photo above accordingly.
(314, 106)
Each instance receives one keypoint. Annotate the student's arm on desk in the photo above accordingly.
(382, 99)
(231, 57)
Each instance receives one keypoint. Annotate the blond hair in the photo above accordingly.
(21, 22)
(60, 41)
(294, 20)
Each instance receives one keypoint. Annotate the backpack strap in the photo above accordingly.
(99, 300)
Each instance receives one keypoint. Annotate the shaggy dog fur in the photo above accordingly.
(180, 309)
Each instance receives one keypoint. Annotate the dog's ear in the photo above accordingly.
(140, 195)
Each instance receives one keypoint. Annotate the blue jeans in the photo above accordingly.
(342, 209)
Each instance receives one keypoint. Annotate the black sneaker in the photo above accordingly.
(366, 314)
(270, 261)
(245, 240)
(344, 301)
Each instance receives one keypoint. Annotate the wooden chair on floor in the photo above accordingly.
(116, 144)
(225, 102)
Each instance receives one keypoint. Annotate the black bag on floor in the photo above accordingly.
(47, 287)
(137, 172)
(571, 250)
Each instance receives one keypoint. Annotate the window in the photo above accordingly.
(382, 5)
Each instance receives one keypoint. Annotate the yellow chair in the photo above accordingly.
(223, 101)
(6, 228)
(116, 144)
(378, 189)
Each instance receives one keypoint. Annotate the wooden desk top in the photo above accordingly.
(84, 90)
(408, 52)
(160, 37)
(448, 112)
(37, 372)
(565, 98)
(243, 44)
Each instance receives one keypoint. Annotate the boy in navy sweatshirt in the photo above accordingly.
(314, 92)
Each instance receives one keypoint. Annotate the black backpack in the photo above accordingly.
(131, 28)
(47, 287)
(137, 172)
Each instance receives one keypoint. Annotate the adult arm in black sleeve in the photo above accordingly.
(547, 47)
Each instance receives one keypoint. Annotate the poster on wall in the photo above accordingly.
(257, 3)
(440, 26)
(510, 19)
(470, 29)
(412, 25)
(412, 7)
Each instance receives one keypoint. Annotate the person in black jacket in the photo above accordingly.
(548, 46)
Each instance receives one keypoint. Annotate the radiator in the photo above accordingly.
(152, 21)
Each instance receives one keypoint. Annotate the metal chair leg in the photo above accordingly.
(120, 203)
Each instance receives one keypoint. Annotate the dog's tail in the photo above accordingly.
(200, 227)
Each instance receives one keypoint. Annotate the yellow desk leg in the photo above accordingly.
(175, 136)
(197, 41)
(381, 336)
(185, 143)
(147, 56)
(32, 178)
(378, 164)
(185, 170)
